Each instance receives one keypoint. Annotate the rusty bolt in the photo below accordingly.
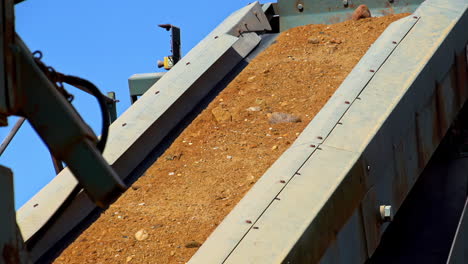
(415, 17)
(386, 213)
(216, 37)
(283, 181)
(347, 102)
(248, 221)
(394, 42)
(372, 70)
(187, 63)
(300, 7)
(312, 146)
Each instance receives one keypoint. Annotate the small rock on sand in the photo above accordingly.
(221, 114)
(313, 40)
(259, 101)
(251, 78)
(361, 12)
(141, 235)
(254, 109)
(193, 244)
(277, 118)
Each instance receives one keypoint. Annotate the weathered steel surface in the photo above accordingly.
(231, 231)
(343, 250)
(311, 214)
(391, 129)
(424, 228)
(141, 128)
(303, 12)
(459, 251)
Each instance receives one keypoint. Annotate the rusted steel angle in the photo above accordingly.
(141, 128)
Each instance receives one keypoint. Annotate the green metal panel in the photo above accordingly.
(140, 83)
(303, 12)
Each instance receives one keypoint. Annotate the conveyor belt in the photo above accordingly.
(399, 102)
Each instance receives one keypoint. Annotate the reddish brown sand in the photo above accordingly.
(190, 189)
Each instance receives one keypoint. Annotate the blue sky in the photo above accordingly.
(105, 42)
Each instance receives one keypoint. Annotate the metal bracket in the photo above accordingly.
(172, 60)
(112, 105)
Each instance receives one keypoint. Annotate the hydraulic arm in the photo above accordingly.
(27, 91)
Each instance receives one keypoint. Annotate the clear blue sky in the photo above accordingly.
(105, 42)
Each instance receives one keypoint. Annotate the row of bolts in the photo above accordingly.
(300, 7)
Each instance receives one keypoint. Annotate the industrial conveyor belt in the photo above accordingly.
(233, 135)
(325, 191)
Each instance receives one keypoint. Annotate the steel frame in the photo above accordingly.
(398, 108)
